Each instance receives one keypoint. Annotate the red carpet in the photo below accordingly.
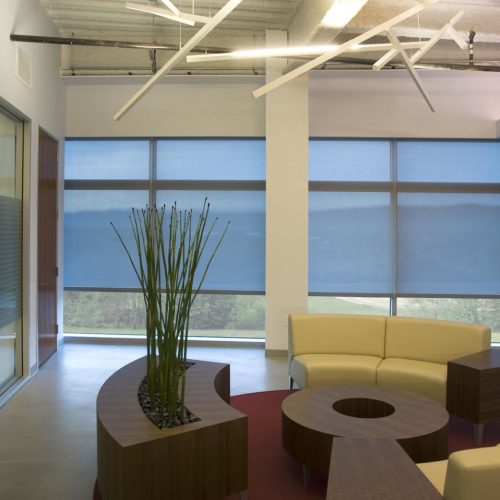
(273, 475)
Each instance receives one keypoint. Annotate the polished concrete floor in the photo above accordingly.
(48, 429)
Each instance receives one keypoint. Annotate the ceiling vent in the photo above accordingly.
(24, 66)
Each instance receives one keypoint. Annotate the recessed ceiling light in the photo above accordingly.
(341, 12)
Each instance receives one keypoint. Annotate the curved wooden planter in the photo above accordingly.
(201, 460)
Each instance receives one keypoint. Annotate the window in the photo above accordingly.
(106, 178)
(350, 227)
(472, 310)
(407, 221)
(448, 161)
(107, 159)
(448, 243)
(349, 160)
(11, 249)
(349, 234)
(123, 312)
(93, 255)
(239, 262)
(379, 306)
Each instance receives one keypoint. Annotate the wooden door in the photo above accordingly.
(47, 246)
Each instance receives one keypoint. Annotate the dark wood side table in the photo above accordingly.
(473, 389)
(375, 469)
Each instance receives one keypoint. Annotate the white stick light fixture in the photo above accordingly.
(190, 44)
(169, 5)
(177, 16)
(167, 14)
(409, 66)
(410, 61)
(426, 46)
(342, 48)
(339, 14)
(308, 50)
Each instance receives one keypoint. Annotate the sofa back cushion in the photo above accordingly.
(433, 340)
(336, 334)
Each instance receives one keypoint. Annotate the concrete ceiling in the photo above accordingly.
(245, 28)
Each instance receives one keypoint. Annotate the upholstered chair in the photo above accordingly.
(467, 475)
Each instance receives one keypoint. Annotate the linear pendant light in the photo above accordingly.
(190, 44)
(307, 50)
(169, 5)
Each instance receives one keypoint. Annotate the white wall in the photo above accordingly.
(175, 107)
(341, 104)
(42, 106)
(388, 104)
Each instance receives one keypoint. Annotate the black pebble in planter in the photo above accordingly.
(200, 460)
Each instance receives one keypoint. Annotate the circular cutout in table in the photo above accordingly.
(363, 407)
(312, 417)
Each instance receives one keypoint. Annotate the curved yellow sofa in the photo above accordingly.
(404, 353)
(467, 474)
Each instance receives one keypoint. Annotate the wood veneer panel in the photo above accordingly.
(473, 386)
(375, 469)
(308, 446)
(201, 460)
(462, 392)
(47, 246)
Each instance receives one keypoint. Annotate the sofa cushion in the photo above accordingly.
(336, 334)
(432, 340)
(308, 370)
(435, 473)
(422, 377)
(473, 474)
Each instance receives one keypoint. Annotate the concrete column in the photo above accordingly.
(287, 137)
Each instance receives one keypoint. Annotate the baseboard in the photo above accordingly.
(60, 341)
(101, 339)
(14, 389)
(276, 353)
(140, 340)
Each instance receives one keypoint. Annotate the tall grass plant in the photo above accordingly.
(167, 260)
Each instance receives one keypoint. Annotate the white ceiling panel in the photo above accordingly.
(245, 28)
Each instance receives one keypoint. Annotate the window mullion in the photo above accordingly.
(394, 227)
(152, 172)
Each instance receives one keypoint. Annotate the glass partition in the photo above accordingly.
(11, 144)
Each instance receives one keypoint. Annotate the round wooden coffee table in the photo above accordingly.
(312, 417)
